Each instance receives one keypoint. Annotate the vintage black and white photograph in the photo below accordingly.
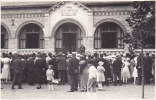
(86, 49)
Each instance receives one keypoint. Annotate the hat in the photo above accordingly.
(82, 62)
(69, 55)
(101, 63)
(60, 54)
(54, 55)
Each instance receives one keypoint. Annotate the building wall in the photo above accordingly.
(49, 18)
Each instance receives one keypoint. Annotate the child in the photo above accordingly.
(50, 77)
(92, 81)
(101, 77)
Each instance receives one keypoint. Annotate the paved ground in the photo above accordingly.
(60, 92)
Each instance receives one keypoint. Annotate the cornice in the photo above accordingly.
(110, 13)
(22, 15)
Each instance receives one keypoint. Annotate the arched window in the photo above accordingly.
(31, 36)
(4, 38)
(107, 36)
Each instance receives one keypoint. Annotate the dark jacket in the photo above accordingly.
(40, 63)
(30, 64)
(17, 65)
(62, 64)
(117, 64)
(82, 49)
(148, 64)
(138, 62)
(73, 66)
(107, 67)
(25, 64)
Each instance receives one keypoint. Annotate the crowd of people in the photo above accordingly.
(82, 71)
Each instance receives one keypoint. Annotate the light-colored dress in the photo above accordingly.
(50, 75)
(6, 68)
(125, 70)
(84, 74)
(100, 75)
(132, 65)
(135, 71)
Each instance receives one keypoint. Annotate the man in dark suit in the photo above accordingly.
(18, 71)
(117, 64)
(148, 68)
(107, 72)
(54, 63)
(62, 68)
(82, 49)
(30, 69)
(25, 66)
(72, 69)
(139, 69)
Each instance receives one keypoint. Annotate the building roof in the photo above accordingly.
(50, 3)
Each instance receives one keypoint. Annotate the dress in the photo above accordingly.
(84, 74)
(100, 76)
(39, 65)
(135, 72)
(6, 68)
(125, 70)
(50, 75)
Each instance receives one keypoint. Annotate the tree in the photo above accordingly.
(142, 22)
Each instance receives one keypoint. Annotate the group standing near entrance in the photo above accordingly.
(83, 72)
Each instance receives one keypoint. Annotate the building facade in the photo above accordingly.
(64, 26)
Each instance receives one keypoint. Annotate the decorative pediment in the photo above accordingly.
(59, 4)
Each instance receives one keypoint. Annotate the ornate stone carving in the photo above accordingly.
(58, 5)
(68, 11)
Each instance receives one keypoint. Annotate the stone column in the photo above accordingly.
(49, 41)
(88, 43)
(49, 45)
(46, 28)
(13, 44)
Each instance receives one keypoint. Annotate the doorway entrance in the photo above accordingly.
(68, 38)
(32, 41)
(69, 42)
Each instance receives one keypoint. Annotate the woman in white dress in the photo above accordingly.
(100, 76)
(6, 69)
(125, 71)
(135, 72)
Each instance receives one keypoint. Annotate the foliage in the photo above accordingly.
(142, 22)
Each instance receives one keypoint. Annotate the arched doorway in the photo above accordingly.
(107, 36)
(4, 38)
(68, 38)
(31, 37)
